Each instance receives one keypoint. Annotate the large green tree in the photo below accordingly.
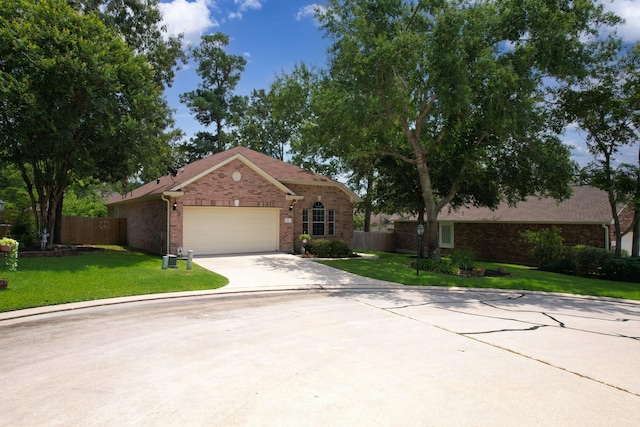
(606, 106)
(260, 130)
(214, 102)
(462, 82)
(75, 101)
(140, 24)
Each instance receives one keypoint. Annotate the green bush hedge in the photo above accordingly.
(547, 245)
(324, 248)
(625, 269)
(582, 260)
(340, 249)
(590, 260)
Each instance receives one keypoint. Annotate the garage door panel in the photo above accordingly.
(217, 230)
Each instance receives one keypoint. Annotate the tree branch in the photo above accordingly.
(392, 154)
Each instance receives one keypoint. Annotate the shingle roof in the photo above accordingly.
(586, 205)
(282, 172)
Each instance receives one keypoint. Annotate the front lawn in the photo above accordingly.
(97, 275)
(393, 267)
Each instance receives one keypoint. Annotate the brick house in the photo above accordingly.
(494, 235)
(236, 201)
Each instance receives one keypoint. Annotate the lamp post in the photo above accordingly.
(420, 231)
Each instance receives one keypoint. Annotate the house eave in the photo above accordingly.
(244, 160)
(173, 193)
(494, 221)
(123, 200)
(353, 197)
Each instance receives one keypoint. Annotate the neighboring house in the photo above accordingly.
(236, 201)
(494, 235)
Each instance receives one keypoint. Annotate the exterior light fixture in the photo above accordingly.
(175, 206)
(420, 231)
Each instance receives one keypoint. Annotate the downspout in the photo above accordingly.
(293, 227)
(606, 237)
(168, 221)
(293, 199)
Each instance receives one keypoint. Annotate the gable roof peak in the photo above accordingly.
(278, 172)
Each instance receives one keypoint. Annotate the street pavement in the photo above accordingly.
(290, 342)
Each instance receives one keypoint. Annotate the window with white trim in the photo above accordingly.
(317, 219)
(331, 222)
(445, 234)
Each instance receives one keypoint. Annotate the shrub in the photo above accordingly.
(463, 259)
(622, 269)
(443, 266)
(339, 248)
(24, 231)
(590, 260)
(581, 260)
(566, 264)
(320, 248)
(547, 245)
(324, 248)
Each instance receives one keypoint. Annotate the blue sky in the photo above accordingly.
(274, 35)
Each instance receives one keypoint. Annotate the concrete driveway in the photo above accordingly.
(279, 271)
(359, 353)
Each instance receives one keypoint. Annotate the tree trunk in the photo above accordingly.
(367, 220)
(635, 245)
(616, 223)
(367, 206)
(431, 233)
(57, 227)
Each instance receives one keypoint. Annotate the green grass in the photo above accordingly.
(90, 276)
(117, 273)
(393, 267)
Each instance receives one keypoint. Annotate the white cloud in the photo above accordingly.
(192, 18)
(310, 10)
(630, 11)
(244, 5)
(248, 4)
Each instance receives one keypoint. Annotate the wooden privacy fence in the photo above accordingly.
(382, 241)
(78, 230)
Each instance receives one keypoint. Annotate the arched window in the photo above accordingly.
(317, 217)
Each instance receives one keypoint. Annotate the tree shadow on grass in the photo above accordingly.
(102, 259)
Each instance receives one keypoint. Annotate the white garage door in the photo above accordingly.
(216, 230)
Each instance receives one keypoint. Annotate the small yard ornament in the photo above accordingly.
(44, 236)
(304, 237)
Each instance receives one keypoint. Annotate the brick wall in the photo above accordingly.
(332, 198)
(146, 224)
(501, 242)
(219, 189)
(147, 220)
